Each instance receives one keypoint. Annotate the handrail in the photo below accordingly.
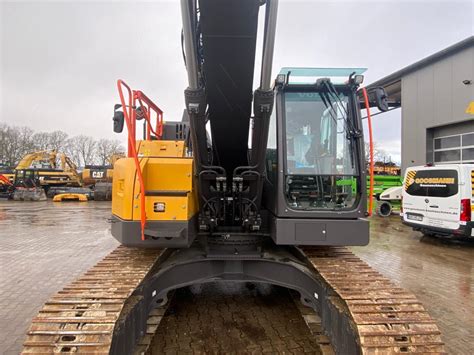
(141, 97)
(371, 151)
(132, 151)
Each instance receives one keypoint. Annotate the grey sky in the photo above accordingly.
(60, 59)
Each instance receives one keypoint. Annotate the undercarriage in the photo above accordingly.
(113, 306)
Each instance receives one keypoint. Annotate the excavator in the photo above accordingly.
(264, 186)
(36, 174)
(50, 173)
(92, 174)
(99, 178)
(6, 187)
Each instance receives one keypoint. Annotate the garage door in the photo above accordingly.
(454, 149)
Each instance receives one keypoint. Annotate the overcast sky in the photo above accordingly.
(59, 60)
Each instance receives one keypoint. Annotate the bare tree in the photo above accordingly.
(106, 148)
(379, 154)
(57, 140)
(41, 140)
(14, 143)
(81, 149)
(50, 140)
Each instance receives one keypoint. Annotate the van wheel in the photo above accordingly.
(384, 209)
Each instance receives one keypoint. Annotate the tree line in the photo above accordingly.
(380, 155)
(16, 142)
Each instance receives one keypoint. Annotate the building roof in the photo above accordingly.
(392, 82)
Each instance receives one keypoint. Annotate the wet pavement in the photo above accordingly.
(43, 246)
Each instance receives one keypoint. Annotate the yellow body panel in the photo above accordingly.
(168, 179)
(161, 148)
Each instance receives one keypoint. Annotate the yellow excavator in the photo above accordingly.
(99, 178)
(50, 173)
(93, 174)
(191, 206)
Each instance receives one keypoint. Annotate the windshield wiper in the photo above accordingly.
(332, 95)
(351, 131)
(327, 103)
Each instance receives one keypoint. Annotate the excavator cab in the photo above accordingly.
(315, 158)
(27, 186)
(27, 178)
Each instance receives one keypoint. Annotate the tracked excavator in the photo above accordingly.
(226, 195)
(50, 173)
(99, 178)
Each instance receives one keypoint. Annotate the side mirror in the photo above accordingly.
(140, 113)
(381, 99)
(118, 120)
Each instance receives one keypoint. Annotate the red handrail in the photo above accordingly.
(371, 150)
(158, 131)
(130, 119)
(132, 150)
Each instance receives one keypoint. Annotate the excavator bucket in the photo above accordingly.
(29, 194)
(70, 197)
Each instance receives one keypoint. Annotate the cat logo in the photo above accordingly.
(97, 174)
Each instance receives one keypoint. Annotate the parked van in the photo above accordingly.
(437, 199)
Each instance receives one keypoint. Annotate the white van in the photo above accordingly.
(437, 199)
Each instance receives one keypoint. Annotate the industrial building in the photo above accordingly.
(436, 95)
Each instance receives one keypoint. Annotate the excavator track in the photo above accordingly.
(89, 315)
(386, 318)
(82, 317)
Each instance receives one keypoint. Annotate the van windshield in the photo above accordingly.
(433, 183)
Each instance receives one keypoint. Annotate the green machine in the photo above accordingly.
(387, 192)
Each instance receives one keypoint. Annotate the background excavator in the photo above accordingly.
(92, 174)
(39, 173)
(227, 195)
(99, 178)
(6, 187)
(54, 169)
